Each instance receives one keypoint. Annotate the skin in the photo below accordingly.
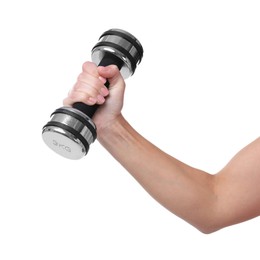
(207, 201)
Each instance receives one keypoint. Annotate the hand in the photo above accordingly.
(90, 90)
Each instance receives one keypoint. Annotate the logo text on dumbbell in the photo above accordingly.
(61, 146)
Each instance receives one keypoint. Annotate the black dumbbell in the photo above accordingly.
(71, 130)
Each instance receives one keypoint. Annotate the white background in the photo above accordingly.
(195, 95)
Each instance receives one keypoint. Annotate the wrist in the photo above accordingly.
(112, 127)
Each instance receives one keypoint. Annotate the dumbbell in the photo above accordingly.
(71, 130)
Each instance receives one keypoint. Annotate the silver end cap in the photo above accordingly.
(63, 143)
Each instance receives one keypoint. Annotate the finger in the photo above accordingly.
(88, 81)
(86, 94)
(79, 97)
(89, 89)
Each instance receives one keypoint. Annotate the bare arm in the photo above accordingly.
(207, 201)
(237, 187)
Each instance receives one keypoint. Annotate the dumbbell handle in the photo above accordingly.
(108, 59)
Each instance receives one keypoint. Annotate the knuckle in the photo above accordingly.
(80, 76)
(85, 66)
(76, 87)
(66, 102)
(88, 66)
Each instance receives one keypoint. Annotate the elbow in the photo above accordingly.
(209, 226)
(206, 230)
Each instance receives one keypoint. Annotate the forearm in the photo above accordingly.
(185, 191)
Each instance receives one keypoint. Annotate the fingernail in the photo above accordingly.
(104, 91)
(100, 99)
(102, 79)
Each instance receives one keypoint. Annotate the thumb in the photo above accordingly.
(112, 74)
